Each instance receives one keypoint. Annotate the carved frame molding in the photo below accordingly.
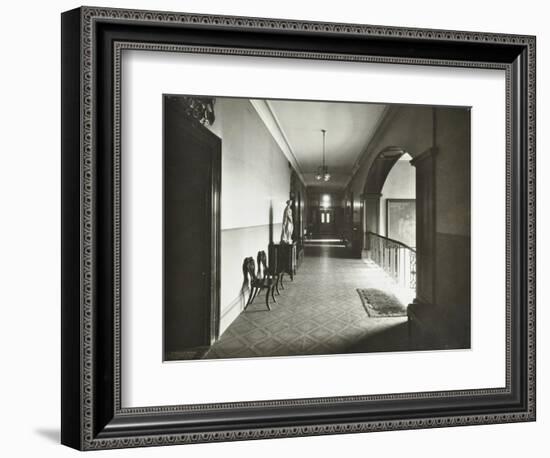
(90, 433)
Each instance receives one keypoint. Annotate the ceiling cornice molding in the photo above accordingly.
(385, 119)
(271, 122)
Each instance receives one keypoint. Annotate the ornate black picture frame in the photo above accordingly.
(92, 41)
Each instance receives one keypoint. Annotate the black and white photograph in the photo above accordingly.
(307, 227)
(279, 228)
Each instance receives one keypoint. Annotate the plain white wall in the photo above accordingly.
(30, 229)
(255, 177)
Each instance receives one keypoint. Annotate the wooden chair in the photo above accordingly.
(268, 272)
(256, 284)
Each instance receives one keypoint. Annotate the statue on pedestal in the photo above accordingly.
(288, 225)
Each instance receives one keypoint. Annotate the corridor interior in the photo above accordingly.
(362, 209)
(319, 312)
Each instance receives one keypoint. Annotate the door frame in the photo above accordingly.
(212, 324)
(215, 243)
(332, 212)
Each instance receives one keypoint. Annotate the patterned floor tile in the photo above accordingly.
(319, 312)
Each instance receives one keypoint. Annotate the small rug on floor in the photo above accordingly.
(379, 303)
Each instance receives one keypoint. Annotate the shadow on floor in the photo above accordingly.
(394, 338)
(53, 435)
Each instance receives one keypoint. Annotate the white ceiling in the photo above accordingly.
(349, 126)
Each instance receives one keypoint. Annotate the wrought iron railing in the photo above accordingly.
(396, 258)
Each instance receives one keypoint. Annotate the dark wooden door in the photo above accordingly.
(327, 226)
(192, 173)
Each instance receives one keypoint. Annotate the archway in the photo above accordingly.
(389, 219)
(372, 191)
(438, 139)
(398, 203)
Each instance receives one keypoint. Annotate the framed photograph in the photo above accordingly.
(401, 220)
(276, 228)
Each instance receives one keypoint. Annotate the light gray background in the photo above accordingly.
(30, 228)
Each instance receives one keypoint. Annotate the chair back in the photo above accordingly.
(249, 269)
(262, 264)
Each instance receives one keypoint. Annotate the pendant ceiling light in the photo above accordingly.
(322, 170)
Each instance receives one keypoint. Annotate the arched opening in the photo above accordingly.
(398, 203)
(389, 218)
